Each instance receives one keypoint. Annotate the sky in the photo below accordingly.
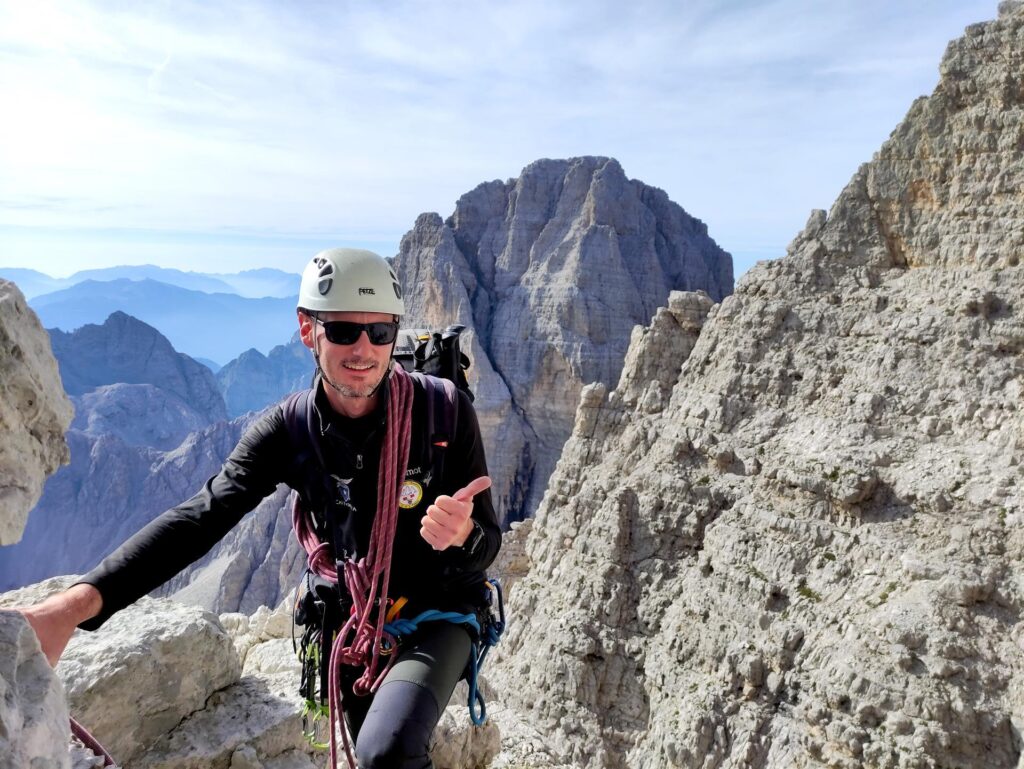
(219, 137)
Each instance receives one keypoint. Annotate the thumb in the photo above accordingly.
(473, 488)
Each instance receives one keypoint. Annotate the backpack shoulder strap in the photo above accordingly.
(298, 418)
(442, 418)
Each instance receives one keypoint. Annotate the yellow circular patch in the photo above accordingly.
(410, 495)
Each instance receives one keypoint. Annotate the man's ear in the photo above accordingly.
(307, 329)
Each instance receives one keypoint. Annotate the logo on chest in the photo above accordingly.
(410, 495)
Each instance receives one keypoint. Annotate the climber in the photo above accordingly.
(392, 503)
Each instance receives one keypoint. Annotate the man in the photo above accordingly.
(445, 535)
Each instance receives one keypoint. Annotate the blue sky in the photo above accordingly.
(220, 137)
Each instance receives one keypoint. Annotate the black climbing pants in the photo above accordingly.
(392, 728)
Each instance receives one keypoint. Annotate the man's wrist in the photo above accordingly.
(473, 539)
(81, 602)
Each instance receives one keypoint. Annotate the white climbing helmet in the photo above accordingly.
(350, 280)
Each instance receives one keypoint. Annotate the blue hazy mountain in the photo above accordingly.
(261, 282)
(194, 281)
(215, 326)
(32, 282)
(253, 381)
(249, 283)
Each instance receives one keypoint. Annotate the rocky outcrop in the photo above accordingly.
(550, 272)
(794, 538)
(34, 412)
(253, 381)
(33, 712)
(164, 686)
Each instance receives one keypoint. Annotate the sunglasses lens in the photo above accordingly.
(382, 333)
(341, 331)
(346, 332)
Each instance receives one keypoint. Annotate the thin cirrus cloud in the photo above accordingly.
(346, 120)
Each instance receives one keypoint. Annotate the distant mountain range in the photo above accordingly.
(253, 284)
(217, 326)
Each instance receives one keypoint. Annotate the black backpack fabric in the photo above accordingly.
(437, 353)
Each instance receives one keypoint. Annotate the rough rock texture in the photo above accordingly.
(163, 686)
(34, 412)
(795, 538)
(550, 272)
(149, 667)
(126, 350)
(33, 712)
(253, 381)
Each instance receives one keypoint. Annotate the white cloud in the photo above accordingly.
(353, 117)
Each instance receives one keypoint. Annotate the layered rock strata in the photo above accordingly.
(550, 272)
(793, 537)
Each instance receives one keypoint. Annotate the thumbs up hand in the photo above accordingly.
(449, 521)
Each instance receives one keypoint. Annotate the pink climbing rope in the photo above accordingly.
(90, 742)
(361, 640)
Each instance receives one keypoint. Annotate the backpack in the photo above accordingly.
(435, 353)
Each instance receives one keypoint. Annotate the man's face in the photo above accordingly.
(355, 368)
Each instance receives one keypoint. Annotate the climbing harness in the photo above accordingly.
(488, 635)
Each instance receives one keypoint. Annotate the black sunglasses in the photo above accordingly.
(347, 332)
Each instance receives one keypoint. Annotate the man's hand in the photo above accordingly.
(56, 618)
(448, 521)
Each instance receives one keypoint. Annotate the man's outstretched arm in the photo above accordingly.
(55, 619)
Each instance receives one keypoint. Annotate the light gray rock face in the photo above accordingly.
(126, 350)
(794, 539)
(152, 666)
(550, 272)
(34, 412)
(253, 381)
(163, 686)
(33, 711)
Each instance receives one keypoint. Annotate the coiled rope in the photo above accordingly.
(362, 638)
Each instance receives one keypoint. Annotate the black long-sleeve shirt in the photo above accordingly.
(350, 450)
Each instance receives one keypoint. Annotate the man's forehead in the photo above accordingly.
(358, 317)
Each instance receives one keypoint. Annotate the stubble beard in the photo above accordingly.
(361, 390)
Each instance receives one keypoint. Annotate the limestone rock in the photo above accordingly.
(549, 272)
(33, 711)
(803, 549)
(151, 666)
(34, 412)
(457, 743)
